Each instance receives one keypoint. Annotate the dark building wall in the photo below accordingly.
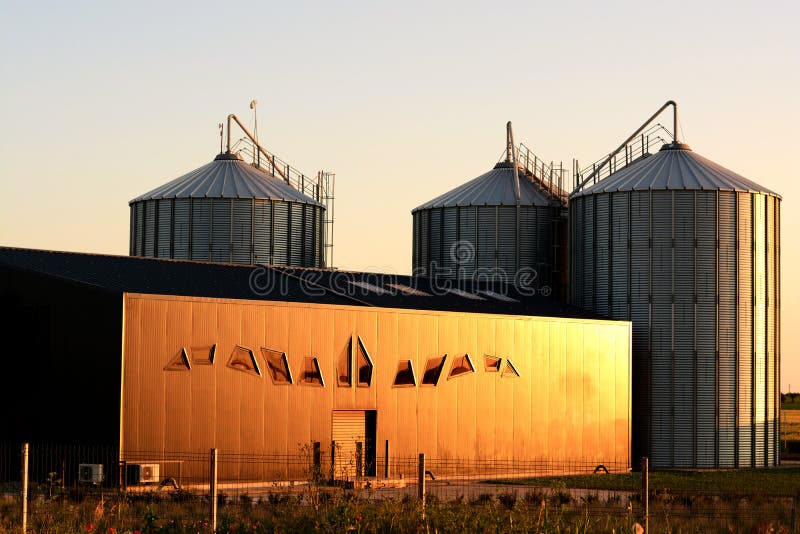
(62, 341)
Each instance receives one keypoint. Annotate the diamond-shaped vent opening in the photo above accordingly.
(242, 359)
(204, 355)
(312, 376)
(461, 365)
(344, 366)
(277, 366)
(433, 370)
(179, 362)
(491, 364)
(364, 365)
(509, 371)
(405, 375)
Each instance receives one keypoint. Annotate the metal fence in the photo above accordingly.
(90, 486)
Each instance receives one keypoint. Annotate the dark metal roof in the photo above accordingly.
(198, 279)
(674, 167)
(494, 188)
(227, 177)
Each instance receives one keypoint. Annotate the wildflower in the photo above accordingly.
(359, 518)
(90, 527)
(110, 530)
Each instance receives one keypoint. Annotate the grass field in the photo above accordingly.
(785, 481)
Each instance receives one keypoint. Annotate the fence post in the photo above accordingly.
(25, 453)
(421, 481)
(386, 465)
(212, 489)
(646, 494)
(333, 461)
(794, 510)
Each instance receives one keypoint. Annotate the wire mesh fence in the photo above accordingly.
(90, 486)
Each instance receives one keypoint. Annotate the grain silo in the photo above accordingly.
(231, 211)
(689, 252)
(502, 225)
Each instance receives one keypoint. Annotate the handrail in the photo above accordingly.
(633, 152)
(667, 104)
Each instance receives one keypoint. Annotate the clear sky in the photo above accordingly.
(102, 101)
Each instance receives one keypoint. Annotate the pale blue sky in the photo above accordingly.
(102, 101)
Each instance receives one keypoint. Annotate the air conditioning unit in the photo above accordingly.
(90, 473)
(143, 473)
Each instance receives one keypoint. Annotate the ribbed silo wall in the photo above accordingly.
(485, 242)
(697, 272)
(244, 231)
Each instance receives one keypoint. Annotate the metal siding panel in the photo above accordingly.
(262, 231)
(527, 237)
(706, 327)
(590, 371)
(573, 422)
(770, 331)
(759, 327)
(177, 385)
(164, 247)
(221, 230)
(242, 231)
(181, 229)
(521, 385)
(415, 242)
(661, 288)
(686, 410)
(281, 231)
(540, 377)
(435, 241)
(620, 256)
(447, 446)
(507, 242)
(296, 234)
(589, 266)
(487, 240)
(140, 229)
(577, 260)
(558, 439)
(466, 430)
(201, 229)
(424, 242)
(727, 328)
(132, 235)
(601, 255)
(150, 208)
(545, 253)
(466, 235)
(504, 396)
(745, 329)
(449, 236)
(430, 402)
(639, 276)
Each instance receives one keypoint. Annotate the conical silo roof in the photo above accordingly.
(227, 177)
(494, 188)
(674, 167)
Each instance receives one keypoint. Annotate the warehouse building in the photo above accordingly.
(165, 355)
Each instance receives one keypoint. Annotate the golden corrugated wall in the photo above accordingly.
(571, 402)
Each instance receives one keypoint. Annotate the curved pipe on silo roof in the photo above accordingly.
(511, 157)
(633, 135)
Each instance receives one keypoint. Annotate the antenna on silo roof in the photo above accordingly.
(256, 151)
(221, 136)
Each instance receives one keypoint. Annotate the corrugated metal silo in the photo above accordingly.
(498, 226)
(689, 252)
(231, 212)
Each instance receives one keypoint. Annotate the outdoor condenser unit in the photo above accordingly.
(90, 473)
(143, 473)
